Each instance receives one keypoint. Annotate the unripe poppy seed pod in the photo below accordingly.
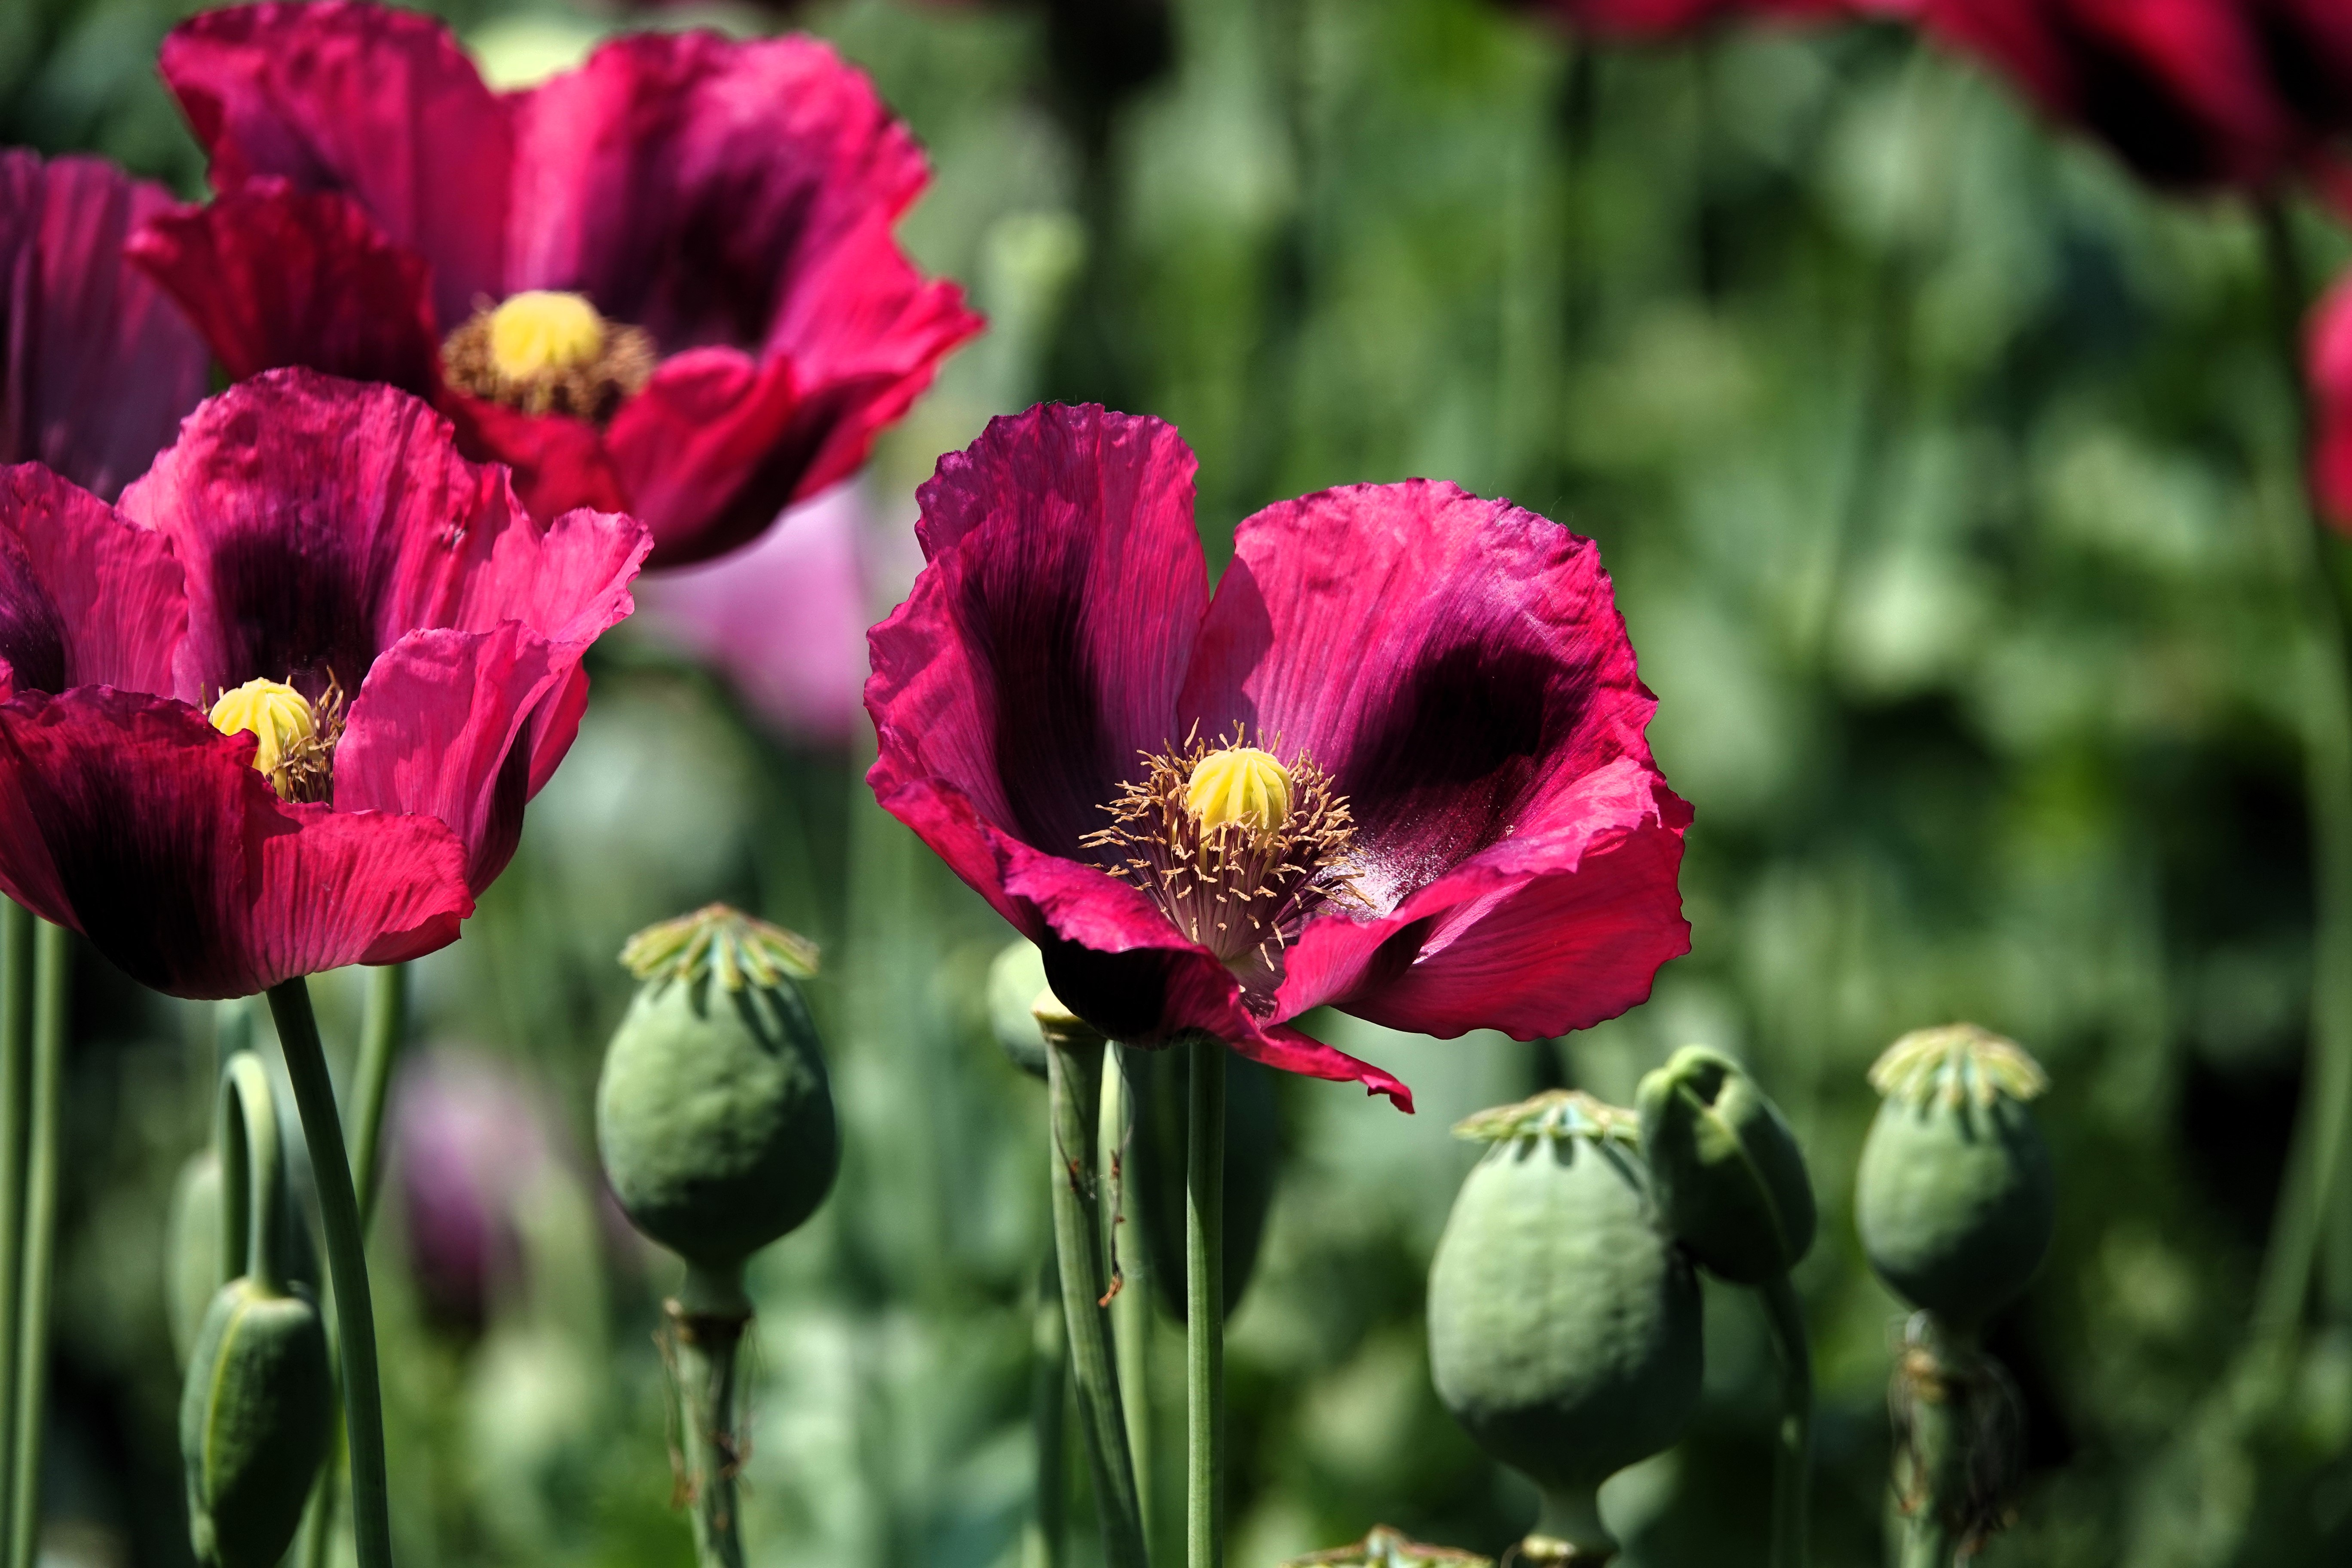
(1955, 1199)
(1564, 1323)
(1727, 1174)
(714, 1116)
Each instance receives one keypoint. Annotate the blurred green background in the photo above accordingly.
(1947, 480)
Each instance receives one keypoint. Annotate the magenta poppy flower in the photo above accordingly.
(1396, 764)
(387, 650)
(2186, 92)
(2327, 357)
(95, 365)
(664, 283)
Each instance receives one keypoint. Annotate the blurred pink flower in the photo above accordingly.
(469, 1141)
(782, 621)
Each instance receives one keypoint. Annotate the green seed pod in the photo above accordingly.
(1954, 1198)
(256, 1423)
(1564, 1323)
(713, 1115)
(1013, 981)
(1727, 1174)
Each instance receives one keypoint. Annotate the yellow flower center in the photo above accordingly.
(273, 713)
(297, 738)
(1239, 783)
(542, 333)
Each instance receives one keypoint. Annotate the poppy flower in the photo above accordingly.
(97, 366)
(279, 710)
(2327, 359)
(664, 283)
(1660, 19)
(2185, 92)
(1395, 764)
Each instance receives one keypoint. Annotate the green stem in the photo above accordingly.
(52, 969)
(1568, 1532)
(1939, 1375)
(707, 1322)
(1205, 1308)
(338, 1217)
(16, 1090)
(2315, 1155)
(1131, 1308)
(1792, 1460)
(1049, 1379)
(380, 1032)
(1073, 1058)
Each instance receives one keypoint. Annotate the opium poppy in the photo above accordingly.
(281, 710)
(665, 282)
(1394, 765)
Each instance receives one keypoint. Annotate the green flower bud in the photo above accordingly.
(713, 1115)
(1564, 1323)
(1013, 981)
(1728, 1174)
(256, 1423)
(1954, 1198)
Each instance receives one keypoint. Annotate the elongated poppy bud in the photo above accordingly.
(1014, 979)
(1727, 1174)
(714, 1115)
(257, 1409)
(1564, 1323)
(1954, 1198)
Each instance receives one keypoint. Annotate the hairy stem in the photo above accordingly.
(1205, 1308)
(1073, 1058)
(707, 1323)
(338, 1217)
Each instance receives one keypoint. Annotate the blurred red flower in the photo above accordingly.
(2328, 363)
(185, 776)
(2192, 94)
(95, 365)
(664, 283)
(1395, 765)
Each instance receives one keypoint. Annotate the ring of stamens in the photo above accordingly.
(548, 353)
(1239, 879)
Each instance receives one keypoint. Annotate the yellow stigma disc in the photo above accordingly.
(274, 714)
(542, 333)
(1240, 783)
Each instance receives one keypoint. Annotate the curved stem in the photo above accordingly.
(52, 970)
(1792, 1460)
(1205, 1308)
(1049, 1378)
(2316, 1156)
(253, 1175)
(707, 1321)
(1074, 1058)
(338, 1215)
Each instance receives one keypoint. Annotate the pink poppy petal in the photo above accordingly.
(277, 276)
(131, 820)
(377, 104)
(86, 598)
(95, 365)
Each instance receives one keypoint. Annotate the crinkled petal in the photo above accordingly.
(320, 521)
(686, 447)
(361, 99)
(683, 180)
(131, 820)
(556, 462)
(277, 276)
(1043, 646)
(86, 598)
(1538, 935)
(443, 726)
(95, 365)
(1455, 665)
